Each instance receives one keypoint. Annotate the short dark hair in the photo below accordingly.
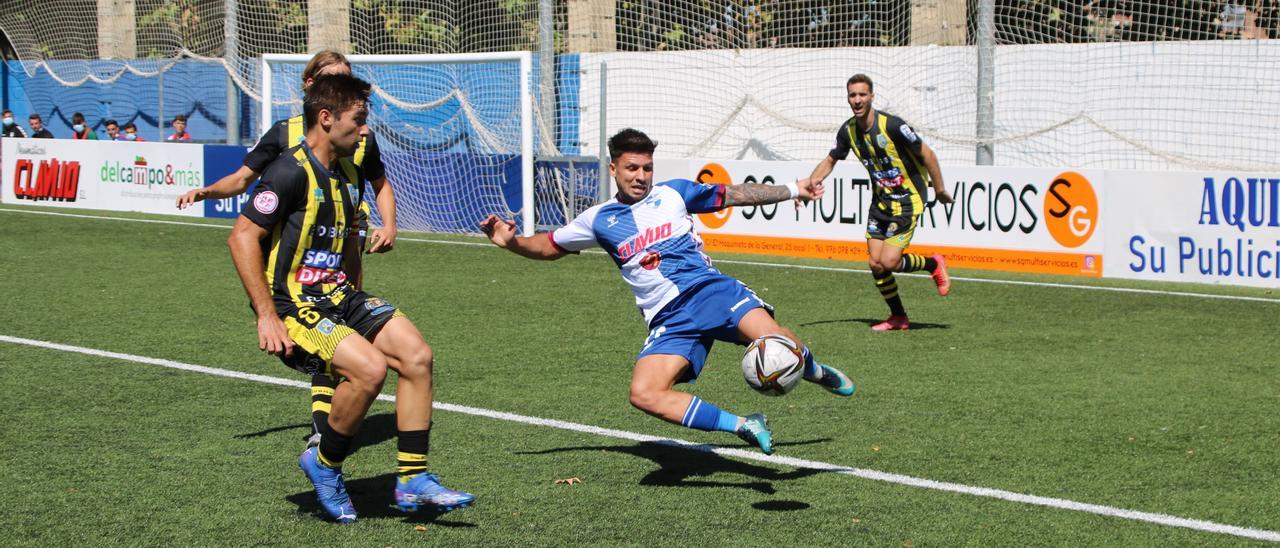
(861, 78)
(6, 111)
(334, 93)
(180, 118)
(110, 122)
(34, 116)
(77, 118)
(129, 125)
(630, 140)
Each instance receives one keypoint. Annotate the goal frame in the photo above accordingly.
(524, 58)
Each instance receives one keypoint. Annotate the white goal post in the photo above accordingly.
(269, 114)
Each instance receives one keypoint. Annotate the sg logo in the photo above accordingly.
(1071, 209)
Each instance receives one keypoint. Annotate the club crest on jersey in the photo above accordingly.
(882, 141)
(266, 202)
(318, 195)
(651, 260)
(893, 227)
(639, 242)
(326, 326)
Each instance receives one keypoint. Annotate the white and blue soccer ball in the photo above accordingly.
(773, 365)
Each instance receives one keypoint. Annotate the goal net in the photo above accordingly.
(1150, 84)
(455, 132)
(1103, 83)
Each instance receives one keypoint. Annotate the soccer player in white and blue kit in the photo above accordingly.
(648, 231)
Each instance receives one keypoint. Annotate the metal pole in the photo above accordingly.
(233, 113)
(264, 113)
(547, 70)
(526, 145)
(606, 186)
(230, 31)
(986, 120)
(160, 122)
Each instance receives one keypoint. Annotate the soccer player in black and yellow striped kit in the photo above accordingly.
(288, 133)
(901, 167)
(292, 247)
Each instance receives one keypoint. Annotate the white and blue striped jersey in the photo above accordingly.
(652, 241)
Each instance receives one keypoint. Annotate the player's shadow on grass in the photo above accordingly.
(872, 321)
(675, 467)
(373, 499)
(376, 429)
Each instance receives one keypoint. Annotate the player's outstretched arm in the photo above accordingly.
(383, 239)
(935, 174)
(821, 170)
(226, 187)
(760, 194)
(502, 233)
(246, 253)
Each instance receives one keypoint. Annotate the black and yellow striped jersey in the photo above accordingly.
(892, 154)
(289, 132)
(308, 212)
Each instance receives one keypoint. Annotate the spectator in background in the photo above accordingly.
(80, 129)
(130, 133)
(38, 131)
(1253, 30)
(11, 127)
(1231, 19)
(113, 129)
(180, 134)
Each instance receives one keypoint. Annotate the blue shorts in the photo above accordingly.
(689, 324)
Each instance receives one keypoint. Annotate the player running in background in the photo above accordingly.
(901, 166)
(285, 134)
(688, 304)
(289, 247)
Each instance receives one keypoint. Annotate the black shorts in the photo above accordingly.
(316, 329)
(895, 230)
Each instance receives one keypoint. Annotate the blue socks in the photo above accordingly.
(811, 370)
(706, 416)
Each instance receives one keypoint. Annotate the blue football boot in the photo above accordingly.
(834, 381)
(425, 490)
(330, 490)
(755, 431)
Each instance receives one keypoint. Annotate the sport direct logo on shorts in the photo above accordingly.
(320, 266)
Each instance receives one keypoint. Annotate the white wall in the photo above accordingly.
(1152, 105)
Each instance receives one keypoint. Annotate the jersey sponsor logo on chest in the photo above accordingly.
(320, 266)
(321, 258)
(638, 242)
(309, 275)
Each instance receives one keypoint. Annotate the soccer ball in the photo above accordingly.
(773, 365)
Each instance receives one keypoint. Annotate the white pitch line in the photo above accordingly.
(899, 479)
(749, 263)
(107, 218)
(914, 275)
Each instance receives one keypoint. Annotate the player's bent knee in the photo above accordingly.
(644, 400)
(417, 363)
(369, 373)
